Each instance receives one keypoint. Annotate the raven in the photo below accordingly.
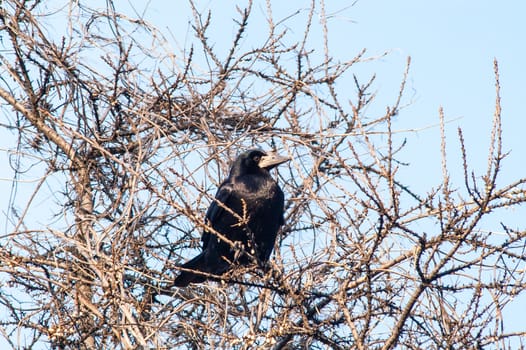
(243, 220)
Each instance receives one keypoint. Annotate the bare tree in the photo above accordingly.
(129, 140)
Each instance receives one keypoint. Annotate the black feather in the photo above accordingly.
(244, 217)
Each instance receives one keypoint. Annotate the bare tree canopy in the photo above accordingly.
(128, 140)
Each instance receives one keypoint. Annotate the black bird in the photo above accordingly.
(242, 221)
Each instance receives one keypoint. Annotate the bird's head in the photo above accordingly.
(254, 160)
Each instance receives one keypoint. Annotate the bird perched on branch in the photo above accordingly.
(243, 220)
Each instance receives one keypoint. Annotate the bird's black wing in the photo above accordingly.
(206, 261)
(272, 220)
(215, 210)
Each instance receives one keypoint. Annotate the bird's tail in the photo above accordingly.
(186, 277)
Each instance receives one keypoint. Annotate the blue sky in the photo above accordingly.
(452, 45)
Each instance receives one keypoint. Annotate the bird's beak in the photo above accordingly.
(271, 160)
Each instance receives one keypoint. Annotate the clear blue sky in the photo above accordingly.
(452, 45)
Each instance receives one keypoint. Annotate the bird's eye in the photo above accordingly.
(256, 158)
